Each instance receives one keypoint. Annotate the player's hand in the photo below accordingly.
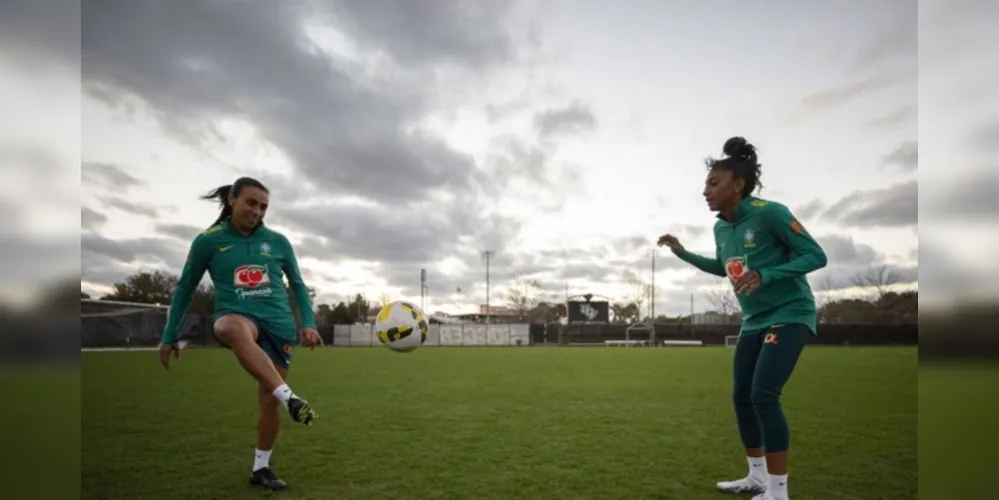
(165, 351)
(311, 338)
(670, 241)
(748, 282)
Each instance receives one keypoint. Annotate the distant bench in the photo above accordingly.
(668, 343)
(625, 343)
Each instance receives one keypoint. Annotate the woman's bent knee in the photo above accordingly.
(234, 329)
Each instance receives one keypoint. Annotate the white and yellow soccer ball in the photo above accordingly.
(401, 326)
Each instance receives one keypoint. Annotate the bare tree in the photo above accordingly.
(522, 295)
(724, 302)
(821, 288)
(880, 279)
(619, 310)
(640, 294)
(383, 299)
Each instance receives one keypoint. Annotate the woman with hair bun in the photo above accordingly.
(765, 253)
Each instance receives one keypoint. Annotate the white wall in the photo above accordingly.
(442, 335)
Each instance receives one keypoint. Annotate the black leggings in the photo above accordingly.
(764, 360)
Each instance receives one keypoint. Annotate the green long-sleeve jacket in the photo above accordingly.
(248, 273)
(765, 237)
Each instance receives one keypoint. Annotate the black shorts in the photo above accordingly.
(277, 347)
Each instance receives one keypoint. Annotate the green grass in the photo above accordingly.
(463, 423)
(40, 425)
(958, 431)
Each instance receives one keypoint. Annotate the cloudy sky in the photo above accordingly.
(564, 136)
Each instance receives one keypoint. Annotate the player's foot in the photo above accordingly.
(748, 484)
(300, 411)
(265, 478)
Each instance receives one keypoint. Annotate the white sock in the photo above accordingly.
(283, 392)
(261, 459)
(758, 468)
(777, 489)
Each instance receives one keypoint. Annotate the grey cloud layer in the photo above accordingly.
(354, 127)
(349, 127)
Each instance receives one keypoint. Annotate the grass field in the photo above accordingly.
(483, 423)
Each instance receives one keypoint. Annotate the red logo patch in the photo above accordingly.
(771, 338)
(251, 276)
(735, 268)
(287, 349)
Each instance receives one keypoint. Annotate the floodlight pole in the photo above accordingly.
(652, 292)
(487, 255)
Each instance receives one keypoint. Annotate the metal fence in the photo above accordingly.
(118, 325)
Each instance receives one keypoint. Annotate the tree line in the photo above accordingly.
(879, 305)
(529, 304)
(157, 288)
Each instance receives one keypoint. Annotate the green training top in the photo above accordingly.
(248, 275)
(766, 238)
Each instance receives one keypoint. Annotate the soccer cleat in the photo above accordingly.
(748, 484)
(265, 478)
(300, 411)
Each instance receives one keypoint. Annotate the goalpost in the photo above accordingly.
(731, 340)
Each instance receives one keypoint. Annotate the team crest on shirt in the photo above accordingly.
(265, 249)
(750, 238)
(735, 267)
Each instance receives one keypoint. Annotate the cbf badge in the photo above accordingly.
(265, 249)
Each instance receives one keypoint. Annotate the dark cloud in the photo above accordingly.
(169, 252)
(906, 115)
(429, 32)
(182, 232)
(135, 208)
(108, 176)
(973, 196)
(894, 206)
(574, 118)
(896, 40)
(91, 219)
(905, 157)
(837, 96)
(848, 259)
(844, 251)
(809, 210)
(41, 32)
(106, 261)
(349, 125)
(29, 260)
(195, 62)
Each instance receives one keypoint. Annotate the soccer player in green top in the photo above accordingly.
(765, 253)
(253, 314)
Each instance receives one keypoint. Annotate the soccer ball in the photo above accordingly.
(401, 326)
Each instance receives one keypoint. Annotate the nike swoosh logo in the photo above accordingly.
(225, 248)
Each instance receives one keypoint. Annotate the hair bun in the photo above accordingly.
(738, 147)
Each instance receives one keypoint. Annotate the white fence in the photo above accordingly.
(443, 335)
